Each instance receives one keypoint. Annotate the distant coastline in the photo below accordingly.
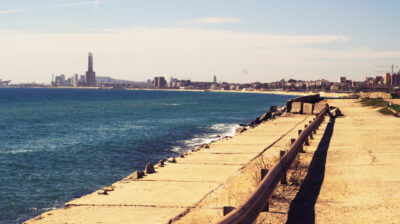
(278, 92)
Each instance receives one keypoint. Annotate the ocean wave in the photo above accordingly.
(172, 104)
(217, 131)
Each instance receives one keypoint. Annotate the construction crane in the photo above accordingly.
(388, 66)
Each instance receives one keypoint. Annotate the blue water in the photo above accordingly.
(59, 144)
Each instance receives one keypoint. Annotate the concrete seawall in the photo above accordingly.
(173, 191)
(196, 187)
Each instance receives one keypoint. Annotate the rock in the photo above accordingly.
(185, 154)
(161, 163)
(296, 108)
(109, 188)
(102, 192)
(149, 168)
(240, 130)
(171, 160)
(307, 108)
(206, 146)
(273, 108)
(265, 116)
(182, 155)
(136, 175)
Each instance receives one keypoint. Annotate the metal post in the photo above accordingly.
(264, 173)
(306, 142)
(228, 209)
(299, 132)
(283, 179)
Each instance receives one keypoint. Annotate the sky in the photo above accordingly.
(238, 41)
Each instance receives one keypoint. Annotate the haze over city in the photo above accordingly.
(239, 41)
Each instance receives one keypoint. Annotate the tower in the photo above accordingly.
(215, 79)
(90, 74)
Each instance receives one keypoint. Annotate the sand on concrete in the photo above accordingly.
(356, 176)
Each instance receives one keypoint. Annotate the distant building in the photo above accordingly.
(90, 74)
(159, 82)
(396, 79)
(149, 84)
(388, 79)
(215, 79)
(172, 82)
(4, 83)
(343, 79)
(378, 80)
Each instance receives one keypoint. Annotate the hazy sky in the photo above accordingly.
(238, 41)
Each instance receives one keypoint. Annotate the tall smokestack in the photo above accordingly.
(90, 66)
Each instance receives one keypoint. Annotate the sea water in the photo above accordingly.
(60, 144)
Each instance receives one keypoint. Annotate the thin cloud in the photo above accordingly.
(8, 11)
(148, 51)
(209, 20)
(96, 5)
(73, 4)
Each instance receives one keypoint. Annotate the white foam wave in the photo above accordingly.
(172, 104)
(221, 131)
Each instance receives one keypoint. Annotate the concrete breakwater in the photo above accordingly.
(173, 189)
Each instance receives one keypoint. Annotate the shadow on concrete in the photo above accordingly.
(302, 207)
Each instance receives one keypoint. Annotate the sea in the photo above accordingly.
(60, 144)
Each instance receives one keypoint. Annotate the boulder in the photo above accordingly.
(161, 163)
(171, 160)
(265, 116)
(296, 108)
(109, 188)
(149, 168)
(273, 108)
(136, 175)
(240, 130)
(307, 108)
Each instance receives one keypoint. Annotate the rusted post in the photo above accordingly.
(305, 126)
(309, 122)
(283, 179)
(292, 140)
(264, 173)
(306, 142)
(228, 209)
(299, 132)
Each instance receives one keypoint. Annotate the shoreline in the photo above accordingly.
(277, 92)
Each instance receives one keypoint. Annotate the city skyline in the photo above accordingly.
(237, 41)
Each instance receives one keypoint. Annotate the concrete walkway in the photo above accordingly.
(355, 174)
(173, 190)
